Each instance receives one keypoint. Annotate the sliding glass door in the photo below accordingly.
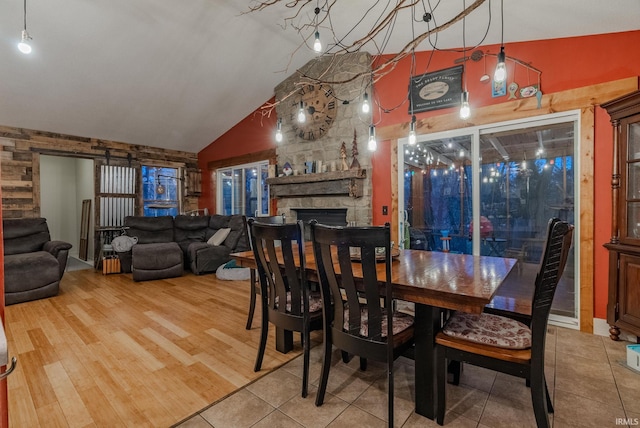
(491, 191)
(438, 194)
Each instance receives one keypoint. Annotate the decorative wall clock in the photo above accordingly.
(319, 105)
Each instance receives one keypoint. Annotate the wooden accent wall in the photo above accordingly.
(20, 157)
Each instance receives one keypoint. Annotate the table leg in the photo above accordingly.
(427, 321)
(284, 340)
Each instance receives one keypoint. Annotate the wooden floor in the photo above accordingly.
(108, 351)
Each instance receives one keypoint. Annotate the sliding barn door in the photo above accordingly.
(116, 199)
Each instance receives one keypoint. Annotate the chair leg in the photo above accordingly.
(346, 358)
(539, 397)
(305, 365)
(264, 331)
(549, 403)
(326, 365)
(455, 367)
(390, 386)
(441, 382)
(252, 301)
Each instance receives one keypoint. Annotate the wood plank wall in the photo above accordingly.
(20, 157)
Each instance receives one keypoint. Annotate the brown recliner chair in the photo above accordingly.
(33, 263)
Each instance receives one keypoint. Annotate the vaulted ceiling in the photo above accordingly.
(179, 74)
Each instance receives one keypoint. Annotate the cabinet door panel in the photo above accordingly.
(633, 141)
(633, 219)
(630, 289)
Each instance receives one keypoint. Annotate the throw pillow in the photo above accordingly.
(219, 237)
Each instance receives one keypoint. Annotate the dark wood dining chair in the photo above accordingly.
(287, 301)
(255, 285)
(504, 344)
(358, 321)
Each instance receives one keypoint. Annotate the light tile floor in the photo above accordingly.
(589, 382)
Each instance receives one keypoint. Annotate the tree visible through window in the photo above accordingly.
(160, 191)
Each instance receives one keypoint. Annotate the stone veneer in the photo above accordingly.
(349, 118)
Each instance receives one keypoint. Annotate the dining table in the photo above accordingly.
(435, 282)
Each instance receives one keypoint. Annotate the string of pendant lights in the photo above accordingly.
(367, 96)
(382, 29)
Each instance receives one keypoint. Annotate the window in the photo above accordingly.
(243, 189)
(160, 191)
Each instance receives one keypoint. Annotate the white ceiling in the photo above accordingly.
(179, 74)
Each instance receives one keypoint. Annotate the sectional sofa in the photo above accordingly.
(167, 245)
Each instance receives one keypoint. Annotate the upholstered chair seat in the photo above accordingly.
(488, 329)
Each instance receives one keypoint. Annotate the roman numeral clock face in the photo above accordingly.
(319, 105)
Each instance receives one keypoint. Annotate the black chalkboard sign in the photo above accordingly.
(432, 91)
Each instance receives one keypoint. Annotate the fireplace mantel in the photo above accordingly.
(334, 183)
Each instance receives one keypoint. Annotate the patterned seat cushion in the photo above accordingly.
(401, 322)
(489, 329)
(315, 302)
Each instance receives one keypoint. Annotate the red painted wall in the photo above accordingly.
(565, 64)
(603, 168)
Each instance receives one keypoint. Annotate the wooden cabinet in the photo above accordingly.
(623, 308)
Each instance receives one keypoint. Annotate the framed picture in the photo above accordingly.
(432, 91)
(498, 89)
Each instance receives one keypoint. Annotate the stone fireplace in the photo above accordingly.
(342, 186)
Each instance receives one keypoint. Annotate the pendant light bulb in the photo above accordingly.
(317, 45)
(373, 144)
(412, 131)
(366, 108)
(302, 117)
(24, 45)
(465, 110)
(279, 131)
(500, 75)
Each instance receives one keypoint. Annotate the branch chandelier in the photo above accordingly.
(313, 22)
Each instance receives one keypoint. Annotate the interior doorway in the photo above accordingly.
(64, 183)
